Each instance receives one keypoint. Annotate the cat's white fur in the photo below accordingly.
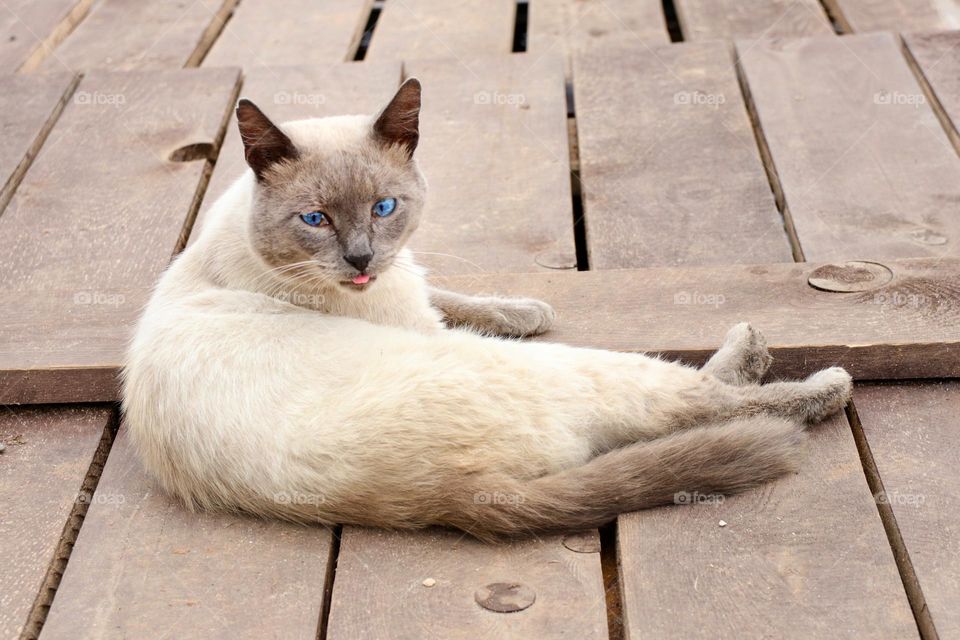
(361, 407)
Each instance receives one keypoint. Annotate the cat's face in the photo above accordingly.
(335, 198)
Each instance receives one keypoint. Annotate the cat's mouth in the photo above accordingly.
(359, 282)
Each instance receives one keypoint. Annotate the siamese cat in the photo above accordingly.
(295, 363)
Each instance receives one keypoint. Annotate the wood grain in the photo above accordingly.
(895, 15)
(42, 472)
(493, 146)
(31, 29)
(802, 557)
(567, 26)
(260, 33)
(76, 276)
(443, 29)
(29, 107)
(903, 329)
(380, 592)
(670, 170)
(126, 35)
(294, 93)
(864, 166)
(911, 429)
(935, 56)
(143, 564)
(730, 19)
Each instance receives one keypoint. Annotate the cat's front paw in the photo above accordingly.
(526, 317)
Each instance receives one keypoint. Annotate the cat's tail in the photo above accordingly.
(717, 459)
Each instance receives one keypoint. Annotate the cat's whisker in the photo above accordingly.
(450, 255)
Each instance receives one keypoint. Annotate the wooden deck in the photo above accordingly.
(656, 170)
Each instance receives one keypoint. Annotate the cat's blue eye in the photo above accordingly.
(385, 207)
(314, 218)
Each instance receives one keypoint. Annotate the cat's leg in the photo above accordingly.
(492, 315)
(742, 359)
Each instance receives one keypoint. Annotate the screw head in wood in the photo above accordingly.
(505, 597)
(845, 277)
(583, 542)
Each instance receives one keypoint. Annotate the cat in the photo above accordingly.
(293, 362)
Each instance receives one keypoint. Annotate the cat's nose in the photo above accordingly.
(359, 261)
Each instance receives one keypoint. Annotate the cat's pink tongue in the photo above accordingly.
(361, 279)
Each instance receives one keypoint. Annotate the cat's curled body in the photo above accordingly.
(265, 376)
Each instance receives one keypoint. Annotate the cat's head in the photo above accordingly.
(335, 198)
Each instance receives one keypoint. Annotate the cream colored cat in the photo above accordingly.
(293, 362)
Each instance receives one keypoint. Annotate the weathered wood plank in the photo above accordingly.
(294, 93)
(42, 483)
(76, 275)
(670, 170)
(31, 29)
(380, 591)
(729, 19)
(905, 328)
(566, 26)
(936, 57)
(863, 164)
(125, 35)
(262, 33)
(143, 564)
(28, 108)
(895, 15)
(912, 431)
(803, 557)
(454, 29)
(493, 146)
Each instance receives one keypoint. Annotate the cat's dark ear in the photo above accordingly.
(264, 144)
(399, 122)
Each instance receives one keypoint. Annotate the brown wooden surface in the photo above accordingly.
(29, 105)
(294, 93)
(493, 146)
(912, 431)
(895, 15)
(802, 557)
(865, 167)
(936, 55)
(303, 32)
(144, 566)
(449, 29)
(379, 592)
(48, 454)
(565, 26)
(669, 167)
(98, 216)
(31, 29)
(903, 329)
(133, 34)
(729, 19)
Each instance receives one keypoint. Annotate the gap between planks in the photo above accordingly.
(211, 33)
(57, 35)
(911, 584)
(6, 193)
(71, 529)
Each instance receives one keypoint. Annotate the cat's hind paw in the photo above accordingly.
(743, 358)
